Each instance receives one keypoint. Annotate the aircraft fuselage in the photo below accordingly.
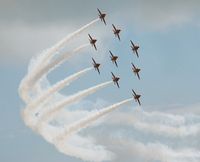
(136, 70)
(116, 79)
(135, 48)
(93, 41)
(114, 58)
(96, 65)
(117, 31)
(102, 16)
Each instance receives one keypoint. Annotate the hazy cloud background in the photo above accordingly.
(29, 26)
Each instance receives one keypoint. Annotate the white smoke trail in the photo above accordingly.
(83, 123)
(159, 123)
(47, 54)
(29, 81)
(40, 61)
(55, 88)
(55, 63)
(157, 151)
(85, 149)
(164, 124)
(168, 131)
(76, 97)
(65, 40)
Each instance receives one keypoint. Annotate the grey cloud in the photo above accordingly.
(49, 10)
(23, 22)
(69, 10)
(132, 144)
(24, 41)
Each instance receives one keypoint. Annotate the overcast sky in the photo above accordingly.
(168, 33)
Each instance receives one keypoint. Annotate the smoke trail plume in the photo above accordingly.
(44, 58)
(76, 97)
(55, 88)
(55, 63)
(156, 151)
(47, 54)
(65, 40)
(29, 81)
(149, 122)
(83, 123)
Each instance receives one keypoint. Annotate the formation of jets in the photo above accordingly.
(114, 58)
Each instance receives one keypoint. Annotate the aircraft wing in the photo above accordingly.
(118, 36)
(104, 21)
(134, 92)
(117, 84)
(98, 70)
(116, 63)
(90, 36)
(113, 74)
(94, 61)
(114, 27)
(111, 53)
(133, 65)
(137, 53)
(132, 43)
(95, 46)
(138, 75)
(138, 101)
(99, 11)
